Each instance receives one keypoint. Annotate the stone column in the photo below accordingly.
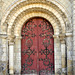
(73, 2)
(17, 56)
(69, 54)
(57, 55)
(11, 55)
(63, 55)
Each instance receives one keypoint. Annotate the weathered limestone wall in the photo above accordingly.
(74, 37)
(63, 50)
(3, 55)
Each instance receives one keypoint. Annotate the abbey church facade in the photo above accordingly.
(37, 37)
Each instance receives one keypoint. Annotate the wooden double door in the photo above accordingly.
(37, 47)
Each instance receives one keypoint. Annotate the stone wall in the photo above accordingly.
(14, 13)
(73, 37)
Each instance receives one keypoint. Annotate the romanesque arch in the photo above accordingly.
(19, 13)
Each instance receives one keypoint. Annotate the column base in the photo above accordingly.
(11, 72)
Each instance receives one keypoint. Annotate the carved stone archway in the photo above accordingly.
(19, 13)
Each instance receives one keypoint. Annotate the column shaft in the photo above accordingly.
(11, 58)
(63, 55)
(57, 55)
(17, 56)
(69, 56)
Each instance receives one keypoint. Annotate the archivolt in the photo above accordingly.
(23, 8)
(20, 3)
(19, 24)
(30, 10)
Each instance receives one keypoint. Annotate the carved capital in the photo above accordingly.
(62, 38)
(11, 38)
(56, 38)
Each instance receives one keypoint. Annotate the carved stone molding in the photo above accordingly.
(38, 10)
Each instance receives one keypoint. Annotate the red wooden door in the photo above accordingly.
(37, 47)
